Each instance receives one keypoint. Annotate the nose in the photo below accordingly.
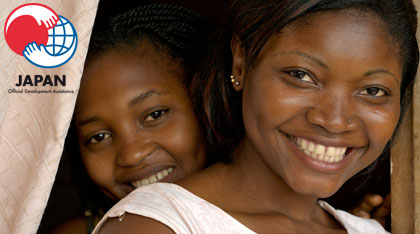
(133, 153)
(333, 113)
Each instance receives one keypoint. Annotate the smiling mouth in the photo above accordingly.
(153, 178)
(320, 152)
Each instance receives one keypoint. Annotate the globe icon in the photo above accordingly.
(61, 37)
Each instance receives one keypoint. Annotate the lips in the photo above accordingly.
(159, 176)
(322, 155)
(319, 151)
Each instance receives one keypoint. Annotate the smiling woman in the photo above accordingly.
(120, 125)
(336, 123)
(310, 93)
(134, 123)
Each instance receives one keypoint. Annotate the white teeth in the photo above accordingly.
(299, 141)
(304, 144)
(311, 146)
(160, 175)
(337, 152)
(331, 151)
(320, 152)
(320, 149)
(144, 182)
(152, 179)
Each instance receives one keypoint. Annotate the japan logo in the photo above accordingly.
(44, 38)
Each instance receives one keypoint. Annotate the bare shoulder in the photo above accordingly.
(131, 224)
(72, 226)
(214, 177)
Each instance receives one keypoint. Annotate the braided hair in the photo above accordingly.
(173, 30)
(177, 34)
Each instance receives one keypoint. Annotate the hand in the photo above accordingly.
(374, 206)
(383, 211)
(41, 14)
(39, 56)
(44, 16)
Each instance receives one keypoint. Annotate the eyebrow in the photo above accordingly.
(384, 71)
(145, 95)
(86, 121)
(301, 54)
(132, 102)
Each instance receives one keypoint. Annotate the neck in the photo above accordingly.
(265, 190)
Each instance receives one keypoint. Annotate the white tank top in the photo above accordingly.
(186, 213)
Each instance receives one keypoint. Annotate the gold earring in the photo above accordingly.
(236, 82)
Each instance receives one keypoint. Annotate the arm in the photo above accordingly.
(134, 224)
(72, 226)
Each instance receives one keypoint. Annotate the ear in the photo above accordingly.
(238, 63)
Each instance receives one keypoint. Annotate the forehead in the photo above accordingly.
(116, 77)
(140, 64)
(117, 67)
(359, 23)
(339, 37)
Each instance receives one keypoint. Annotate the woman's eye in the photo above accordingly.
(374, 91)
(301, 75)
(154, 115)
(99, 137)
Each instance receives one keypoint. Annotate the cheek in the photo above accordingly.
(259, 104)
(267, 103)
(380, 126)
(183, 140)
(99, 168)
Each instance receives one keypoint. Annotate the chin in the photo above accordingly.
(317, 188)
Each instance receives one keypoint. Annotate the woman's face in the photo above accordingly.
(135, 123)
(323, 99)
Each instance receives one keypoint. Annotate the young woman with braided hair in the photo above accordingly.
(310, 92)
(134, 122)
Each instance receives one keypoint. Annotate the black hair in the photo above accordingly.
(254, 22)
(174, 31)
(177, 34)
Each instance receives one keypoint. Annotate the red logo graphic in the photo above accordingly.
(29, 23)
